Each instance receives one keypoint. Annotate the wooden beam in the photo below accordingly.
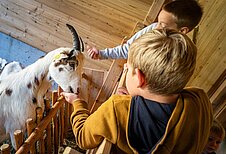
(154, 11)
(219, 84)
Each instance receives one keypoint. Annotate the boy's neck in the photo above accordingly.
(170, 99)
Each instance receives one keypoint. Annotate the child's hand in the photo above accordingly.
(93, 52)
(70, 97)
(122, 91)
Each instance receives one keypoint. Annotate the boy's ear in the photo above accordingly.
(140, 77)
(184, 30)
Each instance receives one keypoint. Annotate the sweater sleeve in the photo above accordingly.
(121, 51)
(90, 130)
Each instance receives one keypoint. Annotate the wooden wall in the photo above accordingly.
(210, 73)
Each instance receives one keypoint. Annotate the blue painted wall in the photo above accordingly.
(14, 50)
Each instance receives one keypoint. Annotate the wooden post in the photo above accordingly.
(55, 124)
(61, 125)
(41, 142)
(30, 127)
(48, 129)
(5, 149)
(39, 114)
(67, 117)
(61, 119)
(18, 135)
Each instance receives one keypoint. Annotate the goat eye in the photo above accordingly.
(72, 64)
(60, 69)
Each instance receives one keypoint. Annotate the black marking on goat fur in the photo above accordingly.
(29, 85)
(72, 65)
(61, 69)
(71, 89)
(36, 81)
(78, 90)
(63, 62)
(8, 92)
(34, 100)
(43, 76)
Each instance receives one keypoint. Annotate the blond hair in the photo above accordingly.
(167, 59)
(217, 129)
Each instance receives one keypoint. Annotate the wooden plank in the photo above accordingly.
(103, 148)
(211, 45)
(69, 150)
(219, 96)
(91, 84)
(105, 14)
(109, 83)
(218, 84)
(154, 11)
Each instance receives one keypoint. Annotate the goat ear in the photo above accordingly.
(73, 52)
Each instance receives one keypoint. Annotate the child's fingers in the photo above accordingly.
(62, 94)
(90, 53)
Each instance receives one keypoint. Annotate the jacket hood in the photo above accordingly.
(147, 123)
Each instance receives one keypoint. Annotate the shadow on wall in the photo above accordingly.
(14, 50)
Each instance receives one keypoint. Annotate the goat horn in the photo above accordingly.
(76, 39)
(82, 45)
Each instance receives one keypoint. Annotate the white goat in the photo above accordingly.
(22, 92)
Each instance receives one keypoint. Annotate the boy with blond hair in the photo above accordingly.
(217, 134)
(159, 115)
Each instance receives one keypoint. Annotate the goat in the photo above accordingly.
(8, 68)
(22, 92)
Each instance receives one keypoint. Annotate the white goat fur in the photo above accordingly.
(9, 68)
(22, 92)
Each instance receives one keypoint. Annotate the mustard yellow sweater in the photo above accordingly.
(186, 132)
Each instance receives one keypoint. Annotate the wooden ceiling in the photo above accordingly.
(100, 23)
(104, 23)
